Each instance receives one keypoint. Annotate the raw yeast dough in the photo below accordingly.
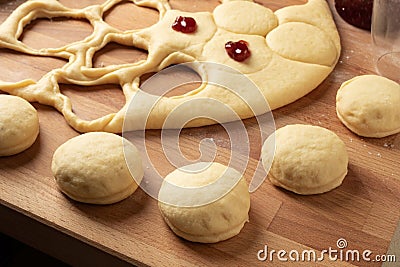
(292, 51)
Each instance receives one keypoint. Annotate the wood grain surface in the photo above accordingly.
(365, 210)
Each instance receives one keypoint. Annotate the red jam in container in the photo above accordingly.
(356, 12)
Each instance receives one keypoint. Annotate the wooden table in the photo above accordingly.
(365, 210)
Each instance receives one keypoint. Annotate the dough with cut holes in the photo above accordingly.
(308, 159)
(283, 64)
(369, 105)
(91, 168)
(206, 206)
(19, 125)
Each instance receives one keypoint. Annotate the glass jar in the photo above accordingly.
(356, 12)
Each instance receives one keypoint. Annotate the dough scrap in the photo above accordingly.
(308, 159)
(19, 125)
(207, 223)
(268, 67)
(91, 168)
(368, 105)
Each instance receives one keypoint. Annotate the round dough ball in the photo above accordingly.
(369, 106)
(92, 168)
(19, 125)
(308, 159)
(288, 40)
(245, 17)
(206, 206)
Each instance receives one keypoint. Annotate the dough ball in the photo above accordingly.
(245, 17)
(369, 106)
(308, 159)
(206, 206)
(19, 125)
(302, 42)
(92, 168)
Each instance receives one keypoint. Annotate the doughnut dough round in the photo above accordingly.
(283, 64)
(308, 159)
(289, 42)
(19, 125)
(215, 221)
(91, 168)
(231, 17)
(369, 106)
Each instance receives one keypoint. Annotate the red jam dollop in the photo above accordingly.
(184, 24)
(238, 51)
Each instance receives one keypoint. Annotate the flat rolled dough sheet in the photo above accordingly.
(292, 51)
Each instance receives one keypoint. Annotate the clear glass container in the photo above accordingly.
(356, 12)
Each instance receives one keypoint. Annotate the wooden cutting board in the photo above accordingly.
(365, 210)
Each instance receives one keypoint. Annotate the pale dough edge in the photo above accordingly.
(212, 238)
(22, 146)
(117, 197)
(309, 191)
